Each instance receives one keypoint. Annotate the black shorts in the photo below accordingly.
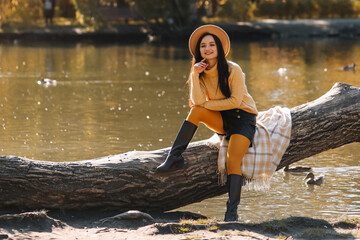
(237, 121)
(48, 13)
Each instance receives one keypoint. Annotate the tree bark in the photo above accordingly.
(128, 181)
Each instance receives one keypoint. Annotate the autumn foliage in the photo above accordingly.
(181, 12)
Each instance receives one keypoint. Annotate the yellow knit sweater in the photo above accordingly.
(205, 91)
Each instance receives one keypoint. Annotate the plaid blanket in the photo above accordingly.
(272, 137)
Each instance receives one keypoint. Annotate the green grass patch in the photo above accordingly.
(212, 227)
(226, 233)
(199, 221)
(209, 224)
(182, 229)
(282, 236)
(194, 237)
(321, 233)
(275, 226)
(348, 222)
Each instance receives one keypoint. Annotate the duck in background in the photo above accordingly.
(350, 67)
(314, 180)
(46, 82)
(298, 169)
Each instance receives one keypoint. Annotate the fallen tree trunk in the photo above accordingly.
(128, 181)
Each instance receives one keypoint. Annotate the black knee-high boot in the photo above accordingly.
(174, 159)
(234, 184)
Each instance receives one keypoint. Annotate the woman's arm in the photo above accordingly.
(197, 91)
(238, 91)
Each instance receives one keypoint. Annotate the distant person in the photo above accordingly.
(49, 9)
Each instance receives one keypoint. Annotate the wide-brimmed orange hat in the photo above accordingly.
(213, 29)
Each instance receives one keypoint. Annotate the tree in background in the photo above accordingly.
(168, 16)
(5, 10)
(307, 8)
(347, 8)
(29, 11)
(20, 11)
(173, 17)
(237, 9)
(285, 9)
(66, 8)
(113, 3)
(87, 13)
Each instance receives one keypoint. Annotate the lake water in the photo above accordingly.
(114, 98)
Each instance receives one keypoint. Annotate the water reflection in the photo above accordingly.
(114, 98)
(290, 196)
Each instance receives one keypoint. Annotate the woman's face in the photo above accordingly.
(208, 48)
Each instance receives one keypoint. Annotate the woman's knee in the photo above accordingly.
(196, 114)
(233, 166)
(238, 146)
(197, 110)
(233, 162)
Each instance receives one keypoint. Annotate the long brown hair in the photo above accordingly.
(222, 66)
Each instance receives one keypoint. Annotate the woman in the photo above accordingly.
(220, 100)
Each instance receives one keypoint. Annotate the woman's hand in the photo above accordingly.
(200, 66)
(193, 105)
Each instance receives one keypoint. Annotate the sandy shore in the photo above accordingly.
(174, 225)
